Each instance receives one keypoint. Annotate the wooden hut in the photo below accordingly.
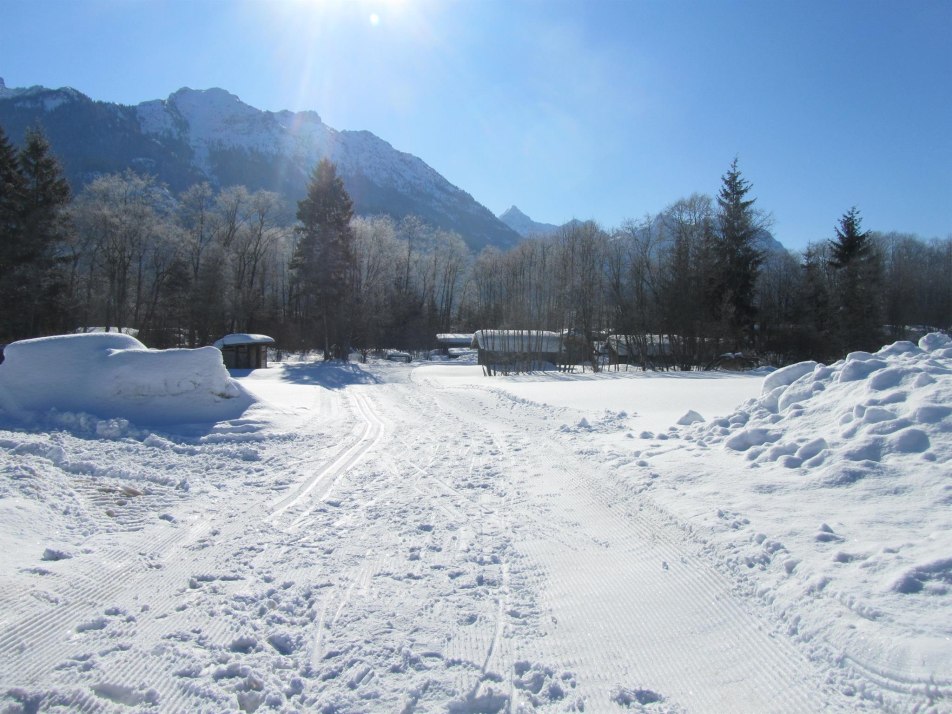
(510, 351)
(662, 351)
(244, 351)
(454, 344)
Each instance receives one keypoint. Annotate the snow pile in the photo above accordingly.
(844, 419)
(111, 375)
(827, 496)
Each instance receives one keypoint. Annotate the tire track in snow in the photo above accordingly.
(438, 573)
(81, 600)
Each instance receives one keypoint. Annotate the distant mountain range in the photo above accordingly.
(525, 226)
(211, 135)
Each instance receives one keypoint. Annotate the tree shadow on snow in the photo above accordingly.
(635, 373)
(331, 375)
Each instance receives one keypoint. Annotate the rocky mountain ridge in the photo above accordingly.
(211, 135)
(525, 226)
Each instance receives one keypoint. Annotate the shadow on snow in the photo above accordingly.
(331, 375)
(606, 374)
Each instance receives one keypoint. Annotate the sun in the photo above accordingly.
(382, 9)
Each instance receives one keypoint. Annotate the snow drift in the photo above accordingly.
(831, 494)
(860, 410)
(111, 375)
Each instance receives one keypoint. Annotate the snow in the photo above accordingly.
(535, 341)
(393, 537)
(112, 375)
(243, 338)
(216, 119)
(845, 485)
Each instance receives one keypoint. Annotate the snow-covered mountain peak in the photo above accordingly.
(10, 92)
(209, 111)
(211, 134)
(42, 98)
(212, 101)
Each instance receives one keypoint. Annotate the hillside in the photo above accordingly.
(211, 135)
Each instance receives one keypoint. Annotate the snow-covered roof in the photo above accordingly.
(455, 338)
(538, 341)
(243, 338)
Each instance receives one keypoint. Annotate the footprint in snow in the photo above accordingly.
(635, 697)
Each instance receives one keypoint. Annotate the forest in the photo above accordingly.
(185, 269)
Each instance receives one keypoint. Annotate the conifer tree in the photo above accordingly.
(738, 259)
(813, 310)
(12, 198)
(857, 282)
(850, 243)
(34, 226)
(323, 262)
(47, 191)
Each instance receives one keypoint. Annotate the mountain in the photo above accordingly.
(769, 245)
(211, 135)
(525, 226)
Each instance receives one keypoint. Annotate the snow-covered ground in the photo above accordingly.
(389, 537)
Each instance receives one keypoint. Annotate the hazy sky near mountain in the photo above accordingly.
(587, 109)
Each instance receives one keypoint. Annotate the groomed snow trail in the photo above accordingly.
(394, 546)
(617, 601)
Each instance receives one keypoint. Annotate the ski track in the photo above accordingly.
(475, 567)
(611, 607)
(145, 589)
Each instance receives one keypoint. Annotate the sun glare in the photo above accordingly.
(374, 19)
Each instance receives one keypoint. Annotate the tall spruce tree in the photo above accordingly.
(815, 314)
(738, 260)
(34, 227)
(12, 199)
(851, 243)
(323, 262)
(857, 283)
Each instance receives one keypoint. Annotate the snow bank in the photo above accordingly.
(110, 375)
(850, 415)
(827, 497)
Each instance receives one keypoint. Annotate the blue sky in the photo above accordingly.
(597, 109)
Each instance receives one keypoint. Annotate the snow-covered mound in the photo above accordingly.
(827, 497)
(844, 418)
(111, 375)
